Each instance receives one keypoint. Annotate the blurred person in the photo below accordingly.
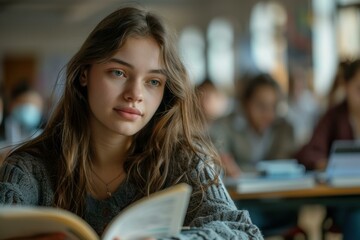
(253, 132)
(303, 106)
(337, 91)
(341, 122)
(25, 114)
(212, 100)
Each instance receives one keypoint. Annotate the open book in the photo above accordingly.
(159, 215)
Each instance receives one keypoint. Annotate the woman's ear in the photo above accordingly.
(84, 77)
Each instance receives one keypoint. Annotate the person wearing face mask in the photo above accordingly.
(25, 114)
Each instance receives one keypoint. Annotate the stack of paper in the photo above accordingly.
(272, 176)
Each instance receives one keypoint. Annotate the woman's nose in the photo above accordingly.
(133, 91)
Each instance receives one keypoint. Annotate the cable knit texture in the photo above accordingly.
(27, 180)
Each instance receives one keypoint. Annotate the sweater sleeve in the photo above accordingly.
(215, 216)
(18, 184)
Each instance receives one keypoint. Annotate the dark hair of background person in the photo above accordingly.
(337, 82)
(351, 69)
(22, 87)
(251, 84)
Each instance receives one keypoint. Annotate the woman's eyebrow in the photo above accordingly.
(122, 62)
(116, 60)
(160, 71)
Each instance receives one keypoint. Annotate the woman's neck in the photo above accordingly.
(110, 152)
(108, 164)
(110, 148)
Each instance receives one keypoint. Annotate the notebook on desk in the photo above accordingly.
(344, 164)
(273, 176)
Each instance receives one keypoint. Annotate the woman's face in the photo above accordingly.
(261, 108)
(125, 91)
(353, 92)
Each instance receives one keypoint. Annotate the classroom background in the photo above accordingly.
(302, 45)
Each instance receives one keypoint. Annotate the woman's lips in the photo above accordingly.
(129, 113)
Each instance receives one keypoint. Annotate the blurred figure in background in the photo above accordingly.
(303, 107)
(337, 91)
(25, 114)
(213, 100)
(341, 122)
(254, 132)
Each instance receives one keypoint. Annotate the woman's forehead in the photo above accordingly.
(140, 51)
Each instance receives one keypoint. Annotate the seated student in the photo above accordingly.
(25, 114)
(303, 106)
(253, 134)
(127, 125)
(212, 100)
(341, 122)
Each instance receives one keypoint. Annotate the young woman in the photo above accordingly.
(127, 125)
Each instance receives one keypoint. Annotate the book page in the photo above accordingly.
(159, 215)
(18, 221)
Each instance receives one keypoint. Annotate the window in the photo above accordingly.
(221, 63)
(268, 43)
(192, 50)
(324, 46)
(348, 33)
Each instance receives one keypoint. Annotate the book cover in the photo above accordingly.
(159, 215)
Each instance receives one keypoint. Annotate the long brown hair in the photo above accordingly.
(172, 142)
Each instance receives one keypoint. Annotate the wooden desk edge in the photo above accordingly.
(320, 190)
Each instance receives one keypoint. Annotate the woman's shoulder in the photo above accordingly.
(25, 179)
(338, 110)
(335, 114)
(24, 162)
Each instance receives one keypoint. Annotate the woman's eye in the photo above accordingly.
(118, 73)
(154, 82)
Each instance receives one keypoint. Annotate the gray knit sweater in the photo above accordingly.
(27, 180)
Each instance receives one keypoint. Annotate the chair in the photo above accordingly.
(328, 226)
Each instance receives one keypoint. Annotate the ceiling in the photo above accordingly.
(51, 24)
(62, 25)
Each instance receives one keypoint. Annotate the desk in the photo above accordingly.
(293, 200)
(321, 194)
(320, 190)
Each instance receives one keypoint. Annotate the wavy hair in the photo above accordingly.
(173, 141)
